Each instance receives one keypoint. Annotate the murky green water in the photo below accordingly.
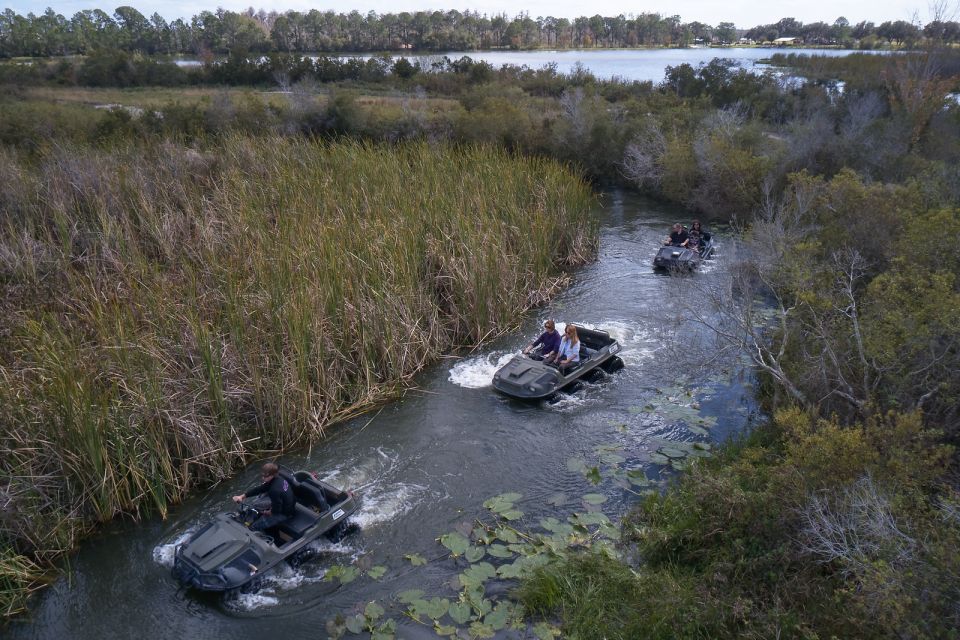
(426, 463)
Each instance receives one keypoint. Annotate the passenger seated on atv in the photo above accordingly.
(548, 343)
(678, 237)
(282, 502)
(704, 236)
(568, 355)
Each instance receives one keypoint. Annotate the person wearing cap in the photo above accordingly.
(282, 501)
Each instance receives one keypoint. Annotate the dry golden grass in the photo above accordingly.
(170, 311)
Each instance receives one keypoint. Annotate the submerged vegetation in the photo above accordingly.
(170, 310)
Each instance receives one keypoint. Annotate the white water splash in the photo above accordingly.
(384, 504)
(251, 601)
(476, 373)
(163, 553)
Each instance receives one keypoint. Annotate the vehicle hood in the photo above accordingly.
(524, 377)
(218, 544)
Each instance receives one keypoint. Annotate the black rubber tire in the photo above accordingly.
(594, 376)
(251, 587)
(341, 531)
(303, 556)
(613, 365)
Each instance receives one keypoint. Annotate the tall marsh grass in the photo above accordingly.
(168, 312)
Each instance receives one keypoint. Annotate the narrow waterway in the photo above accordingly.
(426, 463)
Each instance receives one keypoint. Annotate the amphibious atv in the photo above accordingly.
(527, 378)
(672, 258)
(226, 556)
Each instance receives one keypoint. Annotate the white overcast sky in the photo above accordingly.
(743, 13)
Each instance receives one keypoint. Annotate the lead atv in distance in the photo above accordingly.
(681, 259)
(226, 556)
(527, 378)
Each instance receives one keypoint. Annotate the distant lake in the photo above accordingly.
(628, 64)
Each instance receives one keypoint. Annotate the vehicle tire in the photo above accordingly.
(341, 531)
(252, 587)
(299, 558)
(613, 365)
(594, 376)
(574, 386)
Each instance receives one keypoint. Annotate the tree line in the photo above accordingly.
(52, 34)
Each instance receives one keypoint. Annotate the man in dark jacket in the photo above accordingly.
(678, 237)
(282, 501)
(548, 342)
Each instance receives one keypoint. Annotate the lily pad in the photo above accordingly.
(356, 624)
(586, 519)
(457, 543)
(474, 554)
(416, 559)
(558, 499)
(499, 551)
(507, 535)
(409, 595)
(376, 572)
(512, 514)
(576, 465)
(476, 574)
(512, 570)
(700, 431)
(497, 619)
(373, 611)
(593, 475)
(501, 503)
(434, 608)
(460, 612)
(594, 498)
(659, 458)
(546, 631)
(673, 452)
(480, 630)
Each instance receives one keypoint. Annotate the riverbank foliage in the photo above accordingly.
(167, 311)
(808, 529)
(220, 32)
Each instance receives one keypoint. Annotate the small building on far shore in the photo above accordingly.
(783, 42)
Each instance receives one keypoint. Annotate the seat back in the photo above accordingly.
(311, 497)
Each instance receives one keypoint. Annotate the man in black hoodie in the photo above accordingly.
(282, 502)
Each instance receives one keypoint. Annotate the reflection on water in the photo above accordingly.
(627, 64)
(424, 465)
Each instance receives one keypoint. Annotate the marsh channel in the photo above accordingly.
(425, 463)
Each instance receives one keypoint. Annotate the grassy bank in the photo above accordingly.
(169, 311)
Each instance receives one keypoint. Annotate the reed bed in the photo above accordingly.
(168, 312)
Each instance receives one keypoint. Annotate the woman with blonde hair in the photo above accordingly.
(568, 356)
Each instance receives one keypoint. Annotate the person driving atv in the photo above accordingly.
(282, 501)
(678, 237)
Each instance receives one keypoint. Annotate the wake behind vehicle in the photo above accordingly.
(529, 379)
(673, 258)
(227, 556)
